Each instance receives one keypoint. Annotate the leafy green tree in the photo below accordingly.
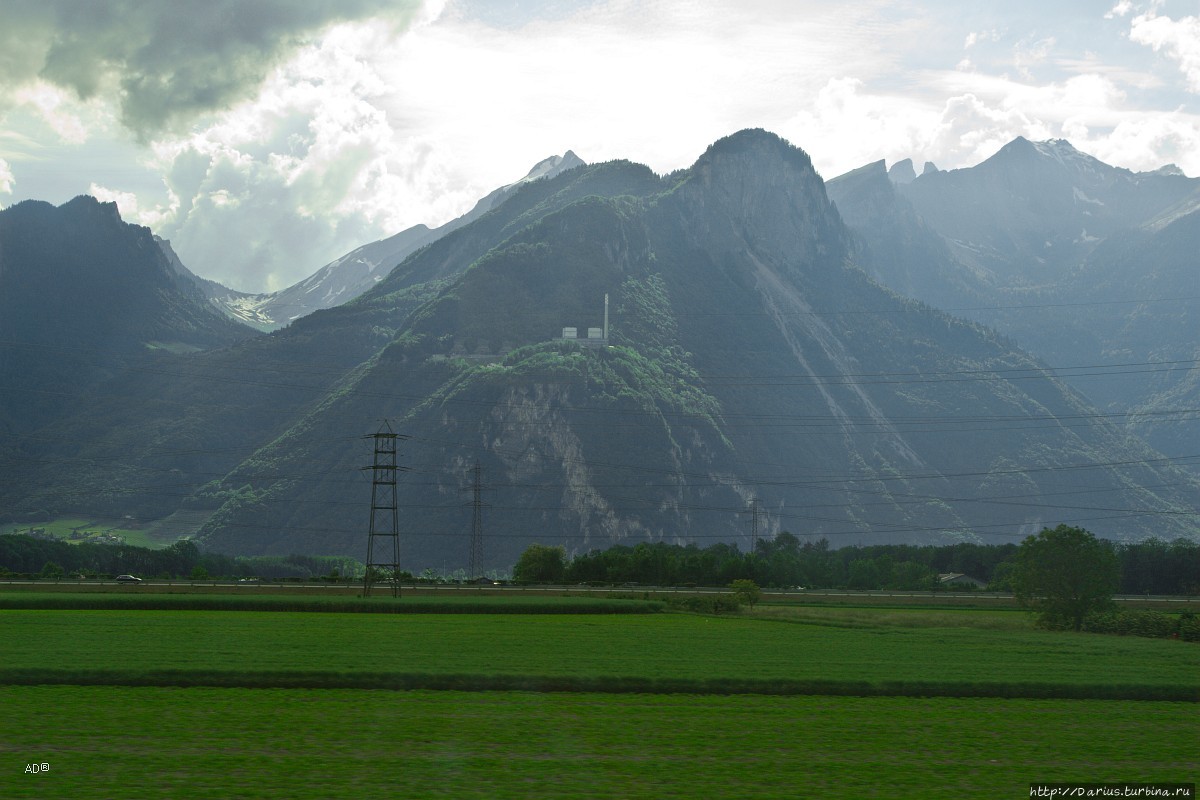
(864, 574)
(541, 564)
(911, 576)
(746, 591)
(1065, 574)
(52, 570)
(199, 573)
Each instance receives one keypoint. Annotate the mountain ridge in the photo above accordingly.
(1117, 295)
(751, 360)
(354, 273)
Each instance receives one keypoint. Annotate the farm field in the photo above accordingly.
(155, 535)
(218, 704)
(838, 652)
(102, 742)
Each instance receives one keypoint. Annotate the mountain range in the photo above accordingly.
(1089, 266)
(774, 343)
(345, 278)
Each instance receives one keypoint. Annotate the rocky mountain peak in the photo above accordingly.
(756, 187)
(753, 147)
(85, 205)
(903, 172)
(1169, 169)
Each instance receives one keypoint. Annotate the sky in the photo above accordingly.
(266, 138)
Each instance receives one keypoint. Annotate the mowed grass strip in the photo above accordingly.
(221, 743)
(133, 599)
(653, 652)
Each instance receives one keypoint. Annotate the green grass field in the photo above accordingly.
(185, 725)
(765, 655)
(103, 742)
(123, 597)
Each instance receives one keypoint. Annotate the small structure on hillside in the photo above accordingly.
(596, 337)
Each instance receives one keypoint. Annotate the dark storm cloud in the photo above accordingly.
(165, 60)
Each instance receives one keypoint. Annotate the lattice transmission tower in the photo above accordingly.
(477, 505)
(754, 512)
(383, 536)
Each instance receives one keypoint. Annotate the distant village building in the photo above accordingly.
(959, 579)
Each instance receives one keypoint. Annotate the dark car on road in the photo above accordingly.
(128, 579)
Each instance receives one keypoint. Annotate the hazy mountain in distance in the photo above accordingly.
(1085, 264)
(902, 172)
(895, 246)
(82, 295)
(1028, 215)
(359, 270)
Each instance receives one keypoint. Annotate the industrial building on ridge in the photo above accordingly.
(596, 337)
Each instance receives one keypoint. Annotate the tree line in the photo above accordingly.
(1147, 567)
(27, 556)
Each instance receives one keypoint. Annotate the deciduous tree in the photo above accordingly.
(746, 591)
(1065, 574)
(541, 564)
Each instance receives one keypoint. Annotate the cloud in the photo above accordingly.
(70, 120)
(6, 178)
(652, 82)
(975, 37)
(1148, 141)
(165, 62)
(130, 207)
(969, 130)
(1180, 39)
(848, 125)
(1119, 10)
(275, 145)
(308, 170)
(357, 136)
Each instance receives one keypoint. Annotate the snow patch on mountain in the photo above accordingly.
(1065, 153)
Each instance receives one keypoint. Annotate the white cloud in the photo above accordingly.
(72, 120)
(975, 37)
(360, 135)
(131, 208)
(310, 169)
(1180, 39)
(7, 181)
(845, 127)
(653, 82)
(1119, 10)
(1148, 141)
(349, 133)
(848, 125)
(969, 130)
